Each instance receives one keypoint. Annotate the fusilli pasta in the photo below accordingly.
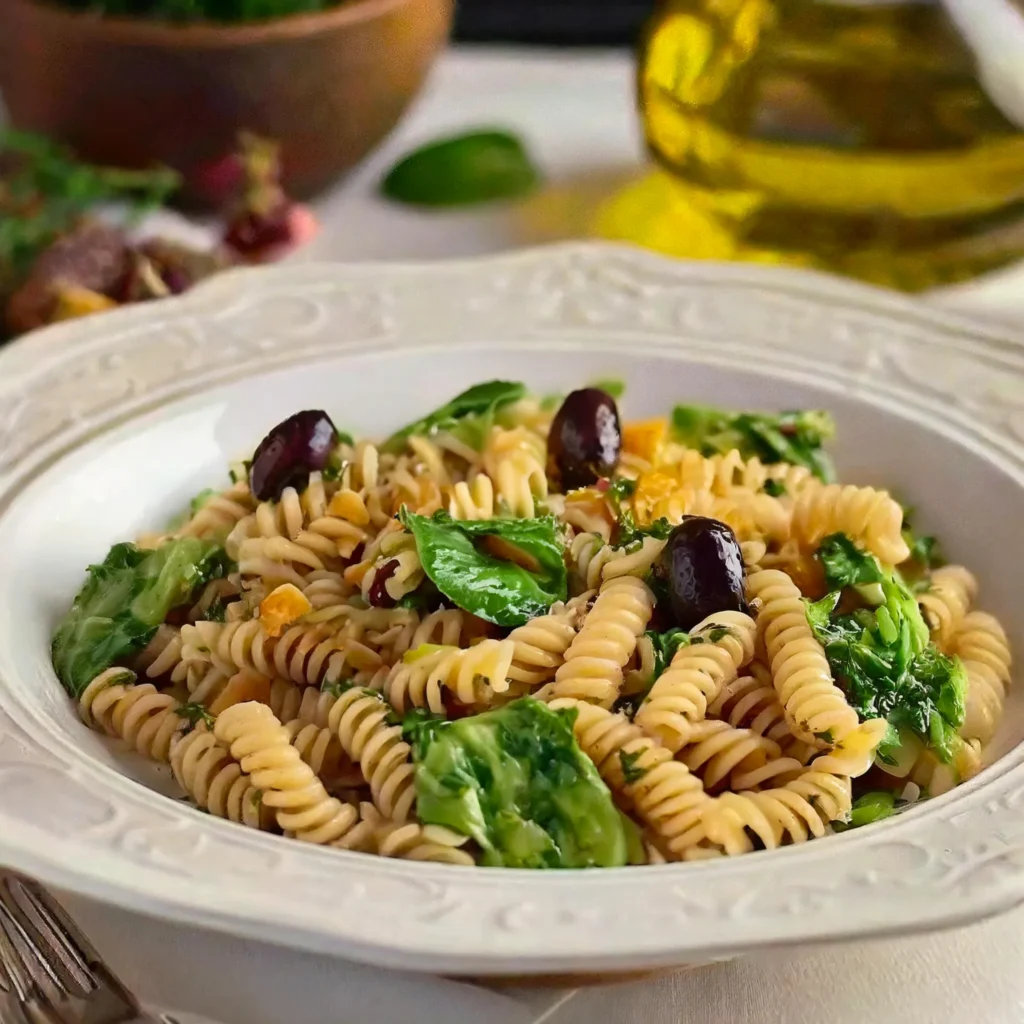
(426, 651)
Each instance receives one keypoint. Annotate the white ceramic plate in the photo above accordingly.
(110, 424)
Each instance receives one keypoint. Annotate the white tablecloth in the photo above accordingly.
(576, 113)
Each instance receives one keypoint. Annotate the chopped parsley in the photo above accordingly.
(631, 773)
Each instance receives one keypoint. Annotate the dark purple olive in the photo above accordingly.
(702, 567)
(585, 439)
(290, 452)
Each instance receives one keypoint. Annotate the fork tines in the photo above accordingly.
(48, 966)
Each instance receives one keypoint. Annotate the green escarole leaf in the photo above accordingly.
(795, 437)
(479, 400)
(492, 588)
(476, 167)
(517, 783)
(123, 600)
(881, 654)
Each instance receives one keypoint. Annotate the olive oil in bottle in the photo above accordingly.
(848, 135)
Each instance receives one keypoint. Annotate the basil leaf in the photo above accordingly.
(477, 167)
(481, 399)
(492, 588)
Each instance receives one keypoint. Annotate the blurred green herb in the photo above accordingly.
(45, 191)
(796, 437)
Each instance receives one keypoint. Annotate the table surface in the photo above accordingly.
(576, 113)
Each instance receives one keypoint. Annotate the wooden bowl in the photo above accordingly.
(328, 86)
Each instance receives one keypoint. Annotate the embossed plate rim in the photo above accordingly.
(430, 917)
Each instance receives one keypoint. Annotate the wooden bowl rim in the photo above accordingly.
(171, 35)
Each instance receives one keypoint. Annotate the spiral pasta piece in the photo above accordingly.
(322, 751)
(981, 644)
(471, 675)
(722, 474)
(721, 645)
(947, 600)
(291, 703)
(594, 661)
(399, 562)
(935, 777)
(751, 514)
(793, 813)
(310, 655)
(514, 459)
(594, 561)
(662, 791)
(361, 720)
(719, 753)
(854, 754)
(411, 841)
(448, 627)
(816, 709)
(144, 718)
(750, 702)
(539, 649)
(868, 516)
(219, 514)
(587, 511)
(262, 746)
(215, 782)
(473, 499)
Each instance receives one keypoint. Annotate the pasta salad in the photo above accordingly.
(523, 632)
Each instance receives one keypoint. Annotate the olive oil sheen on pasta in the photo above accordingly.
(849, 135)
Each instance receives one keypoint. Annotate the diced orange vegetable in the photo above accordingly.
(73, 302)
(347, 504)
(652, 488)
(281, 607)
(241, 687)
(644, 438)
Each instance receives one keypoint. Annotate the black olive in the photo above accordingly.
(702, 567)
(290, 452)
(585, 439)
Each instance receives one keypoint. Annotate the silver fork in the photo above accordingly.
(49, 971)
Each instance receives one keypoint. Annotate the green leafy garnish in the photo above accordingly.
(45, 191)
(795, 437)
(924, 550)
(621, 489)
(217, 611)
(476, 167)
(194, 714)
(881, 654)
(479, 400)
(201, 499)
(619, 492)
(630, 772)
(476, 581)
(666, 645)
(869, 808)
(123, 601)
(610, 386)
(336, 687)
(774, 488)
(516, 782)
